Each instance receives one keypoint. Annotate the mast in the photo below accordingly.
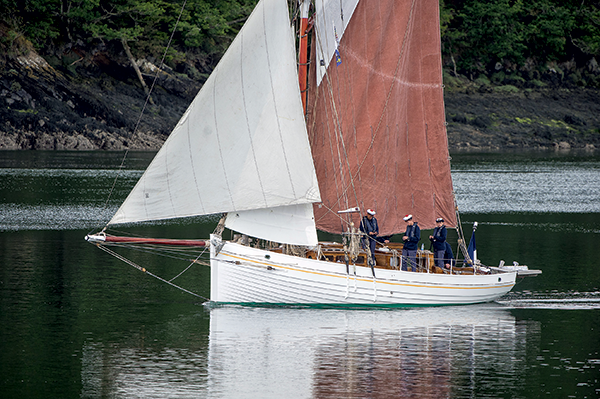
(303, 55)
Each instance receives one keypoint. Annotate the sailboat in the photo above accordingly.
(284, 139)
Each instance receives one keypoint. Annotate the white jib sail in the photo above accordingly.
(242, 144)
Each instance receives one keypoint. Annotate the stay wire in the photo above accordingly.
(376, 131)
(190, 265)
(135, 129)
(338, 138)
(159, 251)
(143, 269)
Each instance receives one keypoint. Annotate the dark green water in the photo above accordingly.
(75, 322)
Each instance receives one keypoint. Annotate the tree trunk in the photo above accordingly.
(454, 64)
(137, 69)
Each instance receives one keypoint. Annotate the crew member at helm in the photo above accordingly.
(411, 238)
(369, 226)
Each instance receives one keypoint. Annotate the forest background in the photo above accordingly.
(74, 74)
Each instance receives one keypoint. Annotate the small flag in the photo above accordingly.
(338, 57)
(472, 250)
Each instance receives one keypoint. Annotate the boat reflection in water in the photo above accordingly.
(424, 352)
(472, 351)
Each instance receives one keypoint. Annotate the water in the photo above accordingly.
(75, 322)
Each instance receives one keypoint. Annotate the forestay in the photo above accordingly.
(242, 143)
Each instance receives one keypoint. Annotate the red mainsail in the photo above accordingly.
(376, 121)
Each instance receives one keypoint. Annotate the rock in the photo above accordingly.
(574, 120)
(97, 104)
(504, 120)
(563, 145)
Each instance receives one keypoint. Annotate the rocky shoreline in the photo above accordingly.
(544, 118)
(98, 106)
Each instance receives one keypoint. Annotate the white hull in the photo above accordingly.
(245, 275)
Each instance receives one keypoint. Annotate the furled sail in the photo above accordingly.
(377, 121)
(242, 144)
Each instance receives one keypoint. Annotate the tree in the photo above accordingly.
(128, 21)
(496, 33)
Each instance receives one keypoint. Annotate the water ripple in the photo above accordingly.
(551, 300)
(53, 217)
(522, 187)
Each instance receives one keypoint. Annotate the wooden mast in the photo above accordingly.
(303, 55)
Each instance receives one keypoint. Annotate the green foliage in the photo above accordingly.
(451, 81)
(32, 18)
(485, 35)
(507, 89)
(538, 83)
(483, 80)
(446, 16)
(587, 37)
(478, 36)
(207, 26)
(210, 25)
(547, 27)
(127, 21)
(496, 31)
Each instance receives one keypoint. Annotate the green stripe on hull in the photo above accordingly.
(213, 304)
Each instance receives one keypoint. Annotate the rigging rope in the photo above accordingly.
(166, 251)
(338, 138)
(190, 265)
(343, 196)
(142, 269)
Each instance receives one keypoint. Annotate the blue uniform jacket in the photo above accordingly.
(367, 226)
(439, 238)
(414, 235)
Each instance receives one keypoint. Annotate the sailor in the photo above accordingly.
(411, 242)
(438, 240)
(368, 225)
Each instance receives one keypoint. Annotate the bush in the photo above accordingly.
(507, 89)
(483, 80)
